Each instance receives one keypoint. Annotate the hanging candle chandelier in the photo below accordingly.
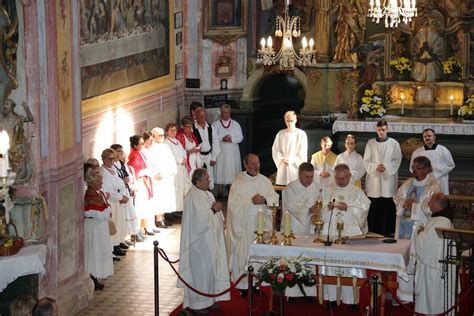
(394, 11)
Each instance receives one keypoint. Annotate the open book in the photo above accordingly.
(368, 238)
(368, 235)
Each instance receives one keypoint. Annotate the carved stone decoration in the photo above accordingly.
(344, 77)
(313, 75)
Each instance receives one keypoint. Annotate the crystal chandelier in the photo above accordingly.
(287, 27)
(394, 11)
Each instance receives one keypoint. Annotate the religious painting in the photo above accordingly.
(224, 20)
(124, 43)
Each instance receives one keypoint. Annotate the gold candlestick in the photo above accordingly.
(318, 222)
(259, 239)
(273, 238)
(287, 240)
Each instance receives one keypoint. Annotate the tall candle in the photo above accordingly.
(451, 105)
(3, 166)
(260, 221)
(287, 224)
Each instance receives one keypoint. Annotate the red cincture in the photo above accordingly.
(222, 123)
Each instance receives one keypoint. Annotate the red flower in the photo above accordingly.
(289, 277)
(282, 267)
(280, 279)
(273, 277)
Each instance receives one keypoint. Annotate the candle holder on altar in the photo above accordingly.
(260, 239)
(287, 239)
(318, 223)
(273, 238)
(340, 229)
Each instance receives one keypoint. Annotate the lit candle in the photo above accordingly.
(286, 224)
(311, 44)
(4, 146)
(269, 42)
(304, 42)
(260, 222)
(402, 99)
(451, 98)
(262, 42)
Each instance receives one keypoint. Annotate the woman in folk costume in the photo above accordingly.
(97, 243)
(353, 159)
(182, 182)
(143, 183)
(190, 143)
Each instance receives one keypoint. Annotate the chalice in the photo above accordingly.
(318, 223)
(340, 229)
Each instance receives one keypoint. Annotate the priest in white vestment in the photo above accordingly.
(353, 159)
(440, 157)
(249, 193)
(382, 158)
(350, 205)
(324, 162)
(412, 213)
(229, 133)
(429, 282)
(289, 150)
(202, 254)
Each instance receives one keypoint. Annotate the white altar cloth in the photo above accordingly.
(29, 260)
(408, 125)
(377, 256)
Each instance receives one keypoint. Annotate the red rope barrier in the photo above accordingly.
(463, 297)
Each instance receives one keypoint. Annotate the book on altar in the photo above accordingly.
(368, 235)
(368, 238)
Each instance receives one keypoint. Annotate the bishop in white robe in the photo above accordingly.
(203, 260)
(249, 193)
(289, 150)
(440, 157)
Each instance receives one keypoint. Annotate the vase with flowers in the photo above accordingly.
(452, 69)
(371, 105)
(401, 68)
(466, 111)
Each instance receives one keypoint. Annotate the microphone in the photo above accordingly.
(328, 242)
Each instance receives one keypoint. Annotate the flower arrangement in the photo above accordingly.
(466, 111)
(281, 273)
(371, 104)
(401, 65)
(452, 68)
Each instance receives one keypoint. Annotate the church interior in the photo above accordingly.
(78, 76)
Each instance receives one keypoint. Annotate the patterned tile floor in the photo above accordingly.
(130, 290)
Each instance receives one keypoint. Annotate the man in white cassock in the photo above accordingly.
(202, 253)
(429, 283)
(289, 150)
(228, 163)
(299, 198)
(350, 205)
(353, 159)
(412, 213)
(382, 158)
(324, 162)
(440, 158)
(249, 193)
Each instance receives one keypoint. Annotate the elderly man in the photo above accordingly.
(299, 198)
(203, 261)
(349, 204)
(429, 281)
(289, 150)
(382, 158)
(413, 212)
(208, 141)
(323, 162)
(440, 158)
(249, 193)
(229, 134)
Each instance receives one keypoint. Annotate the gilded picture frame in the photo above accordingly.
(225, 21)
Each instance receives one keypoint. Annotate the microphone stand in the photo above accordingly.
(329, 242)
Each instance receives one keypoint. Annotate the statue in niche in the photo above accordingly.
(349, 28)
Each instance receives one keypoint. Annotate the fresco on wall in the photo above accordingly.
(123, 42)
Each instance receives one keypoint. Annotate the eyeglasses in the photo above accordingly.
(109, 158)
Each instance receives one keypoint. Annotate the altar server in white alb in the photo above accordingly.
(430, 285)
(440, 158)
(249, 193)
(324, 162)
(353, 159)
(289, 150)
(299, 198)
(350, 205)
(382, 158)
(228, 163)
(202, 254)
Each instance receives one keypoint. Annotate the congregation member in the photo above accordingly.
(45, 307)
(440, 157)
(250, 192)
(97, 244)
(193, 108)
(190, 143)
(413, 212)
(349, 204)
(382, 158)
(203, 261)
(164, 194)
(323, 162)
(430, 280)
(208, 141)
(353, 159)
(289, 150)
(182, 182)
(22, 305)
(143, 184)
(228, 163)
(299, 198)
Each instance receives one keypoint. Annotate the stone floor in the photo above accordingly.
(130, 290)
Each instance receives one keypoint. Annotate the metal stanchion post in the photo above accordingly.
(157, 278)
(375, 284)
(250, 289)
